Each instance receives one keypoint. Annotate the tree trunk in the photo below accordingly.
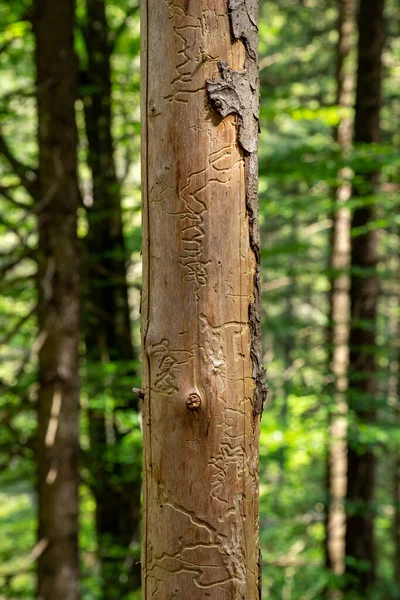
(340, 308)
(363, 385)
(203, 381)
(58, 303)
(116, 482)
(396, 517)
(393, 395)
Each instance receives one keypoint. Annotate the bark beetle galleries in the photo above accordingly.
(200, 327)
(237, 92)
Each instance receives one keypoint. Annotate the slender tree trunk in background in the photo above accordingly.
(363, 385)
(288, 345)
(396, 520)
(116, 479)
(203, 380)
(58, 304)
(340, 308)
(393, 392)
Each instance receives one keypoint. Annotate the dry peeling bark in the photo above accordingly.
(203, 379)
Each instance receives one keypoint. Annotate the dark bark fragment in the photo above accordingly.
(244, 23)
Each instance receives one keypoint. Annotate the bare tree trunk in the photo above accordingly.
(115, 481)
(396, 520)
(203, 380)
(363, 385)
(340, 308)
(58, 307)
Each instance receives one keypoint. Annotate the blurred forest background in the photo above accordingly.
(311, 178)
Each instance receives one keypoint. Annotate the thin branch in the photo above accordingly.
(317, 227)
(17, 445)
(272, 59)
(6, 45)
(23, 240)
(26, 175)
(29, 253)
(21, 92)
(36, 551)
(98, 312)
(13, 228)
(17, 327)
(25, 17)
(111, 276)
(277, 283)
(25, 361)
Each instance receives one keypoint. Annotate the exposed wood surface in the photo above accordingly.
(58, 306)
(199, 417)
(340, 304)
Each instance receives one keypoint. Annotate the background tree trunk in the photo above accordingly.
(363, 387)
(203, 381)
(115, 479)
(393, 394)
(58, 304)
(340, 307)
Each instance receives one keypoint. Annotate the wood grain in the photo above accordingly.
(200, 430)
